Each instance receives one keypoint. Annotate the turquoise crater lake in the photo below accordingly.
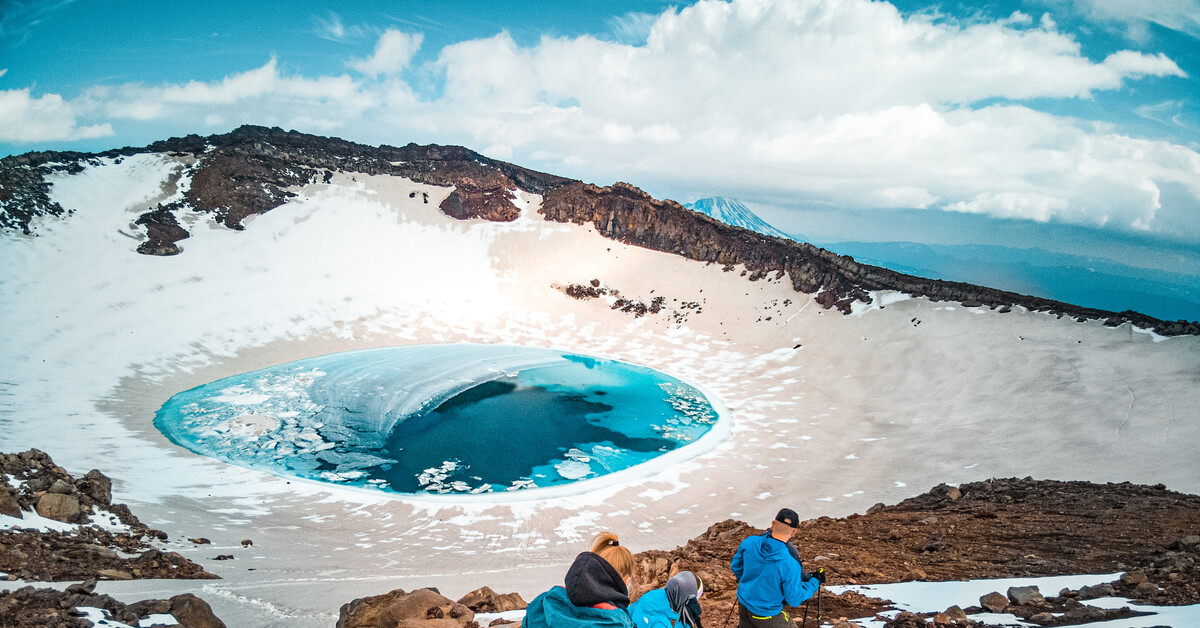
(441, 419)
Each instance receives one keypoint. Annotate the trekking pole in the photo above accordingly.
(820, 577)
(805, 621)
(727, 617)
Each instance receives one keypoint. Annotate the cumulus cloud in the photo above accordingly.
(24, 118)
(261, 95)
(839, 102)
(392, 54)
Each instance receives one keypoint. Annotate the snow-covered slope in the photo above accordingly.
(830, 414)
(733, 212)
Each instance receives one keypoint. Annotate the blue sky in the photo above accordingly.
(1058, 124)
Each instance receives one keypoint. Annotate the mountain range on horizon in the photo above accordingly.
(1087, 281)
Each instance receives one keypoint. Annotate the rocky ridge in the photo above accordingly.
(252, 170)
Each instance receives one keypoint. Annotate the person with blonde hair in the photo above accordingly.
(596, 591)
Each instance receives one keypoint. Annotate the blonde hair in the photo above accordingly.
(609, 548)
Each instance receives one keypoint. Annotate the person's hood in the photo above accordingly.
(681, 587)
(591, 581)
(553, 609)
(772, 549)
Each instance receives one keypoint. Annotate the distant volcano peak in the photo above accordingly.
(733, 212)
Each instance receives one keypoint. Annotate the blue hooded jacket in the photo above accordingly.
(590, 580)
(652, 610)
(769, 576)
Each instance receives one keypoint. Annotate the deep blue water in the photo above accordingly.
(441, 418)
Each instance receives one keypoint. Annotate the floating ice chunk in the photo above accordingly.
(249, 425)
(573, 469)
(343, 476)
(241, 396)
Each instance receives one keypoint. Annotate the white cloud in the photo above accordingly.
(332, 28)
(836, 102)
(24, 118)
(262, 94)
(631, 28)
(392, 54)
(1179, 15)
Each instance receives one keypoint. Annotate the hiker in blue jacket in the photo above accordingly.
(596, 591)
(770, 575)
(676, 605)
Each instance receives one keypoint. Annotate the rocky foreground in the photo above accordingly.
(105, 541)
(998, 528)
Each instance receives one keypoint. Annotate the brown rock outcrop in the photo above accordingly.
(485, 600)
(59, 507)
(31, 607)
(193, 612)
(423, 608)
(87, 551)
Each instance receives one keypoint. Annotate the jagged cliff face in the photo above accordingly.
(251, 170)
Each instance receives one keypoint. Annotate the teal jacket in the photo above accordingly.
(652, 610)
(553, 609)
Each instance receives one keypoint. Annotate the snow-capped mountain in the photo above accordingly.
(732, 212)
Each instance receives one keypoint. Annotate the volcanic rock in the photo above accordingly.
(423, 608)
(994, 602)
(1190, 541)
(114, 574)
(1025, 595)
(952, 615)
(83, 588)
(485, 600)
(9, 506)
(59, 507)
(97, 486)
(193, 612)
(1145, 589)
(1096, 591)
(906, 620)
(1133, 578)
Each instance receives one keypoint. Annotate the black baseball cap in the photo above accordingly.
(788, 517)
